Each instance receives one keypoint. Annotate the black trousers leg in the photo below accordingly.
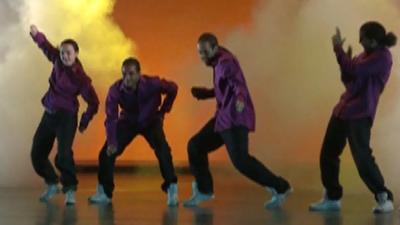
(332, 147)
(43, 141)
(236, 141)
(155, 136)
(125, 135)
(202, 143)
(65, 133)
(359, 140)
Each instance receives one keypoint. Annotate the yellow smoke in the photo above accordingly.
(103, 45)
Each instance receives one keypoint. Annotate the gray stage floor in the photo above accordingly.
(138, 200)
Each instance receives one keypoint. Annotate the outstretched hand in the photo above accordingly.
(33, 30)
(337, 39)
(199, 93)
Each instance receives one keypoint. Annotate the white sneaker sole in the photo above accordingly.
(270, 205)
(48, 198)
(190, 203)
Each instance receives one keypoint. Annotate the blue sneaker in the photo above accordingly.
(326, 205)
(100, 197)
(49, 193)
(172, 194)
(197, 197)
(70, 197)
(277, 199)
(385, 205)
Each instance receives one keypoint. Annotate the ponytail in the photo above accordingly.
(390, 39)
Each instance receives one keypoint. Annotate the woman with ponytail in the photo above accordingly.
(364, 78)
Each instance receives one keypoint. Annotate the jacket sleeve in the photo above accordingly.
(232, 72)
(47, 48)
(358, 71)
(112, 115)
(88, 93)
(170, 89)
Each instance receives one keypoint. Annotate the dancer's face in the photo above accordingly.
(68, 54)
(206, 52)
(130, 76)
(369, 45)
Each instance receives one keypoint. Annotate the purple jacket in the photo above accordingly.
(138, 107)
(66, 83)
(364, 78)
(229, 86)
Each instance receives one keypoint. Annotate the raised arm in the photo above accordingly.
(376, 64)
(40, 39)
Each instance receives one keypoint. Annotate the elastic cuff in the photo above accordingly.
(53, 181)
(69, 188)
(165, 185)
(284, 187)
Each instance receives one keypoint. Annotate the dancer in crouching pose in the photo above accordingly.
(142, 112)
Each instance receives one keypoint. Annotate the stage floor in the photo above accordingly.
(139, 200)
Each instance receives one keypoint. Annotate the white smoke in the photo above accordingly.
(294, 78)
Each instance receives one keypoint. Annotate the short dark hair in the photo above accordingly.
(72, 42)
(131, 61)
(375, 30)
(209, 38)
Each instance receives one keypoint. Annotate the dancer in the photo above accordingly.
(59, 121)
(142, 112)
(233, 120)
(364, 78)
